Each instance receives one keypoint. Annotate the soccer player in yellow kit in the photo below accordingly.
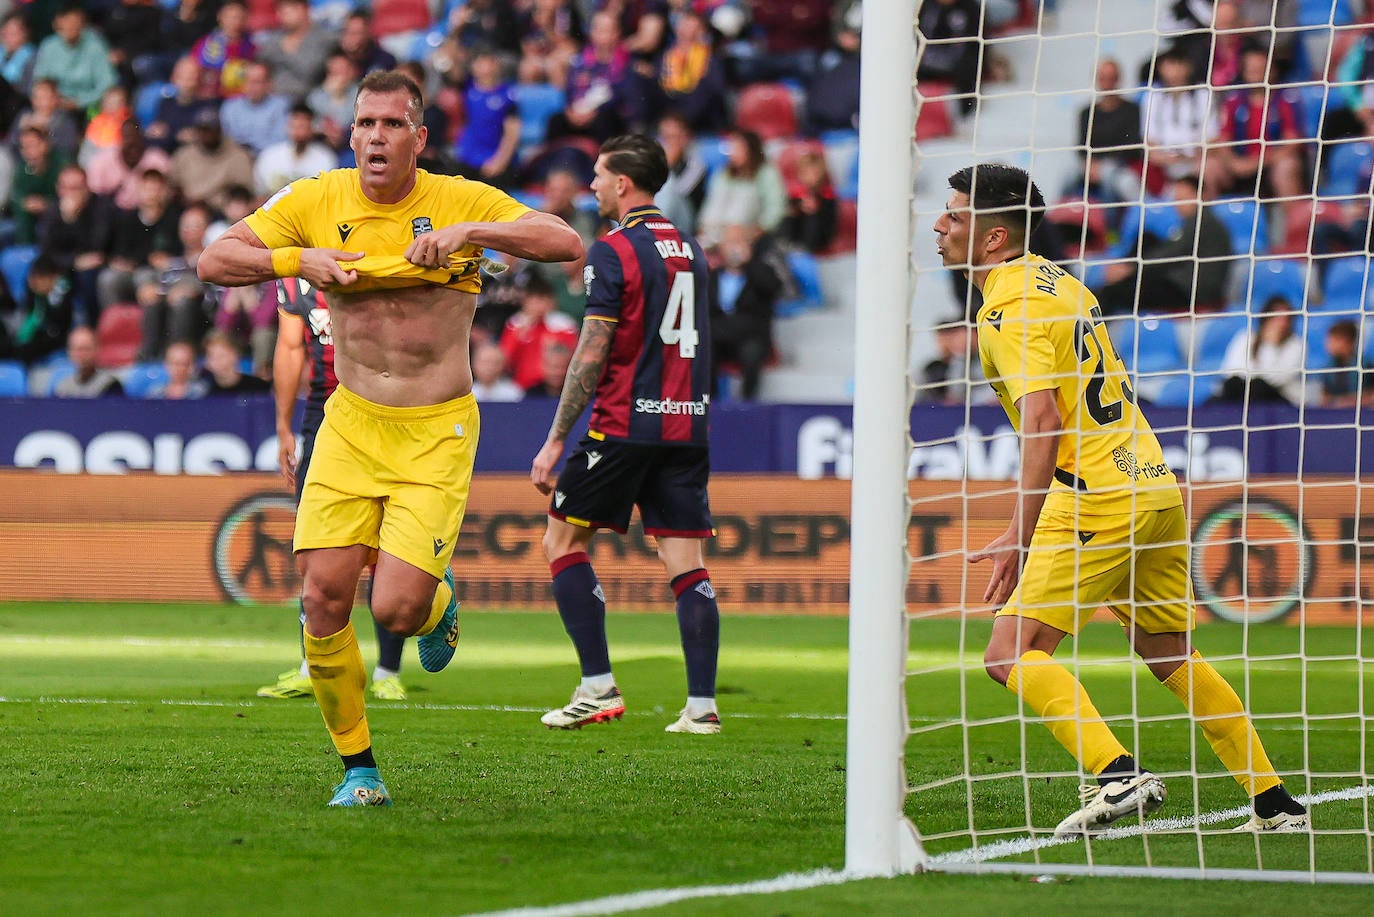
(1099, 518)
(397, 252)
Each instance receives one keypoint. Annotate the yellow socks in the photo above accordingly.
(338, 676)
(1217, 709)
(1056, 696)
(442, 595)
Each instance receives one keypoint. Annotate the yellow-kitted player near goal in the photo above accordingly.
(1099, 518)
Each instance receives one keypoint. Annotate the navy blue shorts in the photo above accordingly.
(309, 428)
(603, 481)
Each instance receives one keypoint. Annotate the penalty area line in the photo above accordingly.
(659, 897)
(1024, 845)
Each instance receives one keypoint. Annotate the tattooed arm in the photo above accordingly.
(584, 372)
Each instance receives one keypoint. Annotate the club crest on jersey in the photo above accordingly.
(421, 225)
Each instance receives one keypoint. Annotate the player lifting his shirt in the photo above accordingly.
(396, 251)
(1099, 518)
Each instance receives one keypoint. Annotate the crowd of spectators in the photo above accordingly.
(136, 130)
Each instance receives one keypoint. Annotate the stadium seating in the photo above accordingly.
(933, 118)
(1212, 335)
(142, 378)
(808, 279)
(1311, 100)
(15, 262)
(390, 17)
(537, 103)
(768, 110)
(14, 381)
(148, 98)
(1347, 168)
(54, 373)
(262, 15)
(1148, 345)
(1345, 283)
(714, 151)
(1244, 220)
(1276, 277)
(119, 334)
(1317, 325)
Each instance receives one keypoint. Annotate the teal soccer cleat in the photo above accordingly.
(437, 647)
(362, 786)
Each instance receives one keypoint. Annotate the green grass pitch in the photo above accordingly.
(142, 776)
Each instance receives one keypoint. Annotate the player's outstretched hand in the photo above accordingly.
(286, 457)
(432, 249)
(541, 469)
(321, 267)
(1005, 553)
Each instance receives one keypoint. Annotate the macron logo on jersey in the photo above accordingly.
(558, 498)
(344, 232)
(592, 459)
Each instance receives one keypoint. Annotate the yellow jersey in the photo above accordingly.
(1040, 329)
(329, 210)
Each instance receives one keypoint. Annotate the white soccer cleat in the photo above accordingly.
(708, 724)
(1279, 823)
(1102, 805)
(585, 709)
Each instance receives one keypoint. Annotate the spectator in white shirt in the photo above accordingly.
(1266, 364)
(298, 156)
(489, 379)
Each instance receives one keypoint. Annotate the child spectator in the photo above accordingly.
(489, 379)
(1349, 380)
(487, 145)
(527, 331)
(811, 218)
(182, 383)
(107, 127)
(224, 52)
(223, 374)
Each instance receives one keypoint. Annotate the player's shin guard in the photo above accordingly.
(338, 677)
(1212, 701)
(1056, 696)
(442, 595)
(698, 621)
(582, 606)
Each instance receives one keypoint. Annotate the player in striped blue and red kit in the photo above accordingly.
(303, 334)
(641, 355)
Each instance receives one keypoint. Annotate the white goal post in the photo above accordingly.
(1256, 514)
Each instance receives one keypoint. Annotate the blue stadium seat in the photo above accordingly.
(15, 262)
(14, 381)
(842, 157)
(1245, 222)
(712, 151)
(1346, 283)
(142, 378)
(537, 103)
(426, 43)
(807, 275)
(1318, 324)
(1149, 345)
(57, 371)
(147, 100)
(1346, 167)
(1189, 389)
(1277, 277)
(1158, 218)
(1325, 12)
(1312, 102)
(1212, 335)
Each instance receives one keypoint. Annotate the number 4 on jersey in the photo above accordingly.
(679, 325)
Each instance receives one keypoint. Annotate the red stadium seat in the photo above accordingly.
(933, 119)
(450, 101)
(392, 16)
(791, 152)
(118, 335)
(846, 228)
(768, 110)
(262, 15)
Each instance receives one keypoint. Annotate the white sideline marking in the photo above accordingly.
(658, 897)
(1023, 845)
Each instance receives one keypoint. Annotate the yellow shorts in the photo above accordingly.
(1135, 565)
(394, 479)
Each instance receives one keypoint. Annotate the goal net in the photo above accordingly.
(1227, 240)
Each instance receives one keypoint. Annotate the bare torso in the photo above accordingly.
(403, 348)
